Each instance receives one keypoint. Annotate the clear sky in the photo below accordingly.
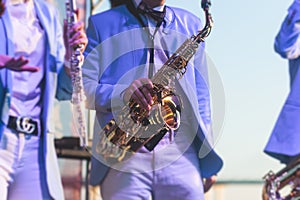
(254, 77)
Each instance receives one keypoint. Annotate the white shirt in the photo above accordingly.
(158, 8)
(29, 42)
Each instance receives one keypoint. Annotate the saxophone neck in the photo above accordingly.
(205, 4)
(200, 37)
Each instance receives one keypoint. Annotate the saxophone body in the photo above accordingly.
(283, 185)
(78, 96)
(134, 126)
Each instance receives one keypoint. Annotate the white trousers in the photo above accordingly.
(22, 174)
(170, 171)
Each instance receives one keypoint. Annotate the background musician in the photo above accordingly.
(32, 73)
(283, 143)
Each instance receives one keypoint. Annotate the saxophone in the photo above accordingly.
(78, 96)
(134, 126)
(275, 184)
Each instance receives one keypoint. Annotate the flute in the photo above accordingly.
(78, 96)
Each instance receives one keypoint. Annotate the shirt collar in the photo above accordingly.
(157, 8)
(15, 2)
(22, 10)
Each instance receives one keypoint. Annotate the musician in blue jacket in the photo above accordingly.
(126, 48)
(32, 73)
(284, 143)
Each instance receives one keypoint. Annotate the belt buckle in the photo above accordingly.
(24, 125)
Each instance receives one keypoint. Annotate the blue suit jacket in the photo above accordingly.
(56, 82)
(115, 56)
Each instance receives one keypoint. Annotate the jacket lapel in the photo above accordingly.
(44, 16)
(6, 48)
(169, 20)
(7, 26)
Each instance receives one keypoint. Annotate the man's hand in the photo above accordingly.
(74, 36)
(140, 92)
(16, 64)
(208, 182)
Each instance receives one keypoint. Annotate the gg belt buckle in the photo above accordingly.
(24, 125)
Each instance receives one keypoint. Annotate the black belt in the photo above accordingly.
(23, 124)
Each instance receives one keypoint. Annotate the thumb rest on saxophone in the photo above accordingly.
(78, 96)
(287, 177)
(134, 126)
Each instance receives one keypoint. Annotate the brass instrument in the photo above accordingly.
(78, 96)
(134, 126)
(286, 179)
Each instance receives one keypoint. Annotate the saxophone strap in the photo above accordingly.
(150, 145)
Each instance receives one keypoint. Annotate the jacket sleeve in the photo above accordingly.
(287, 40)
(64, 83)
(202, 87)
(101, 84)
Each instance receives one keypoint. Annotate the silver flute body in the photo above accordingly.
(78, 97)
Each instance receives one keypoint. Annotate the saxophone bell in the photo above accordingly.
(171, 109)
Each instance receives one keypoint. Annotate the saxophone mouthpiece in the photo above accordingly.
(205, 4)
